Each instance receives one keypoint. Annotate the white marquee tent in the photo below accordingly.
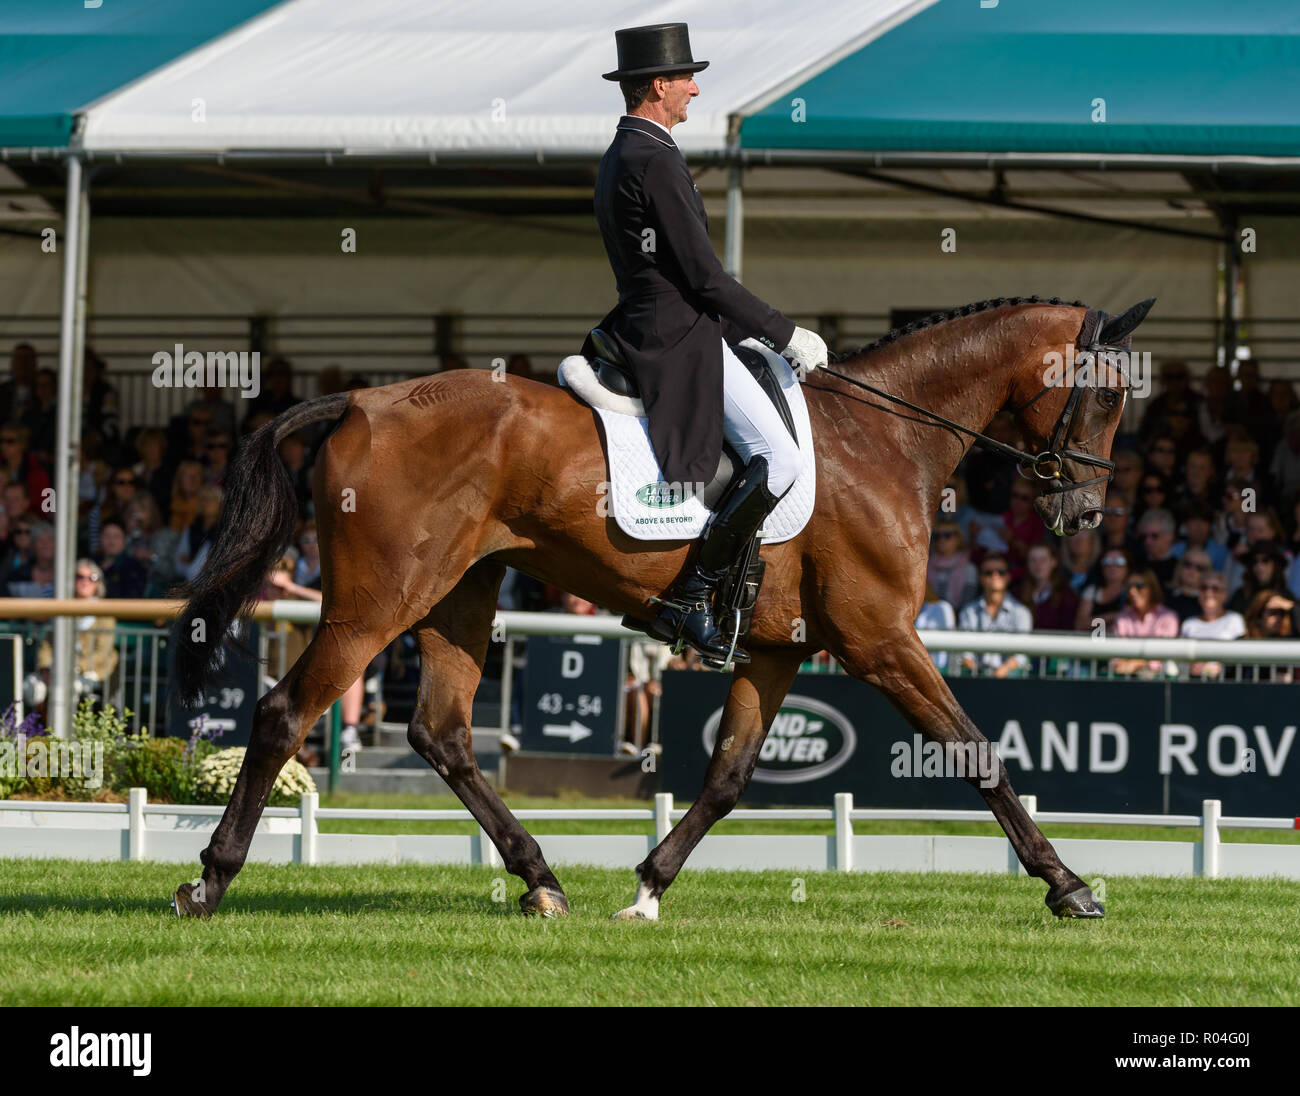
(418, 78)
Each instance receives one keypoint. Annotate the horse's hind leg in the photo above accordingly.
(755, 698)
(900, 666)
(453, 641)
(337, 656)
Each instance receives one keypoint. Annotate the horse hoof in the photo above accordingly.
(185, 905)
(1077, 903)
(544, 902)
(644, 908)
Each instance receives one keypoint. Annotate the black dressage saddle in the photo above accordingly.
(614, 374)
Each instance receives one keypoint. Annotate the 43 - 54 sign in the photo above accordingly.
(572, 694)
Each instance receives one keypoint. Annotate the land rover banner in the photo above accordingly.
(1077, 745)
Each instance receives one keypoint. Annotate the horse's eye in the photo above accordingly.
(1109, 398)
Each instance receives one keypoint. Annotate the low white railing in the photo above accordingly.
(123, 831)
(1086, 645)
(512, 622)
(1048, 644)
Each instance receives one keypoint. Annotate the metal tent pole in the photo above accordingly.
(1231, 301)
(734, 247)
(72, 334)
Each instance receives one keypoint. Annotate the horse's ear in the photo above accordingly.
(1118, 328)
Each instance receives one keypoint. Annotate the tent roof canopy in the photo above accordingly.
(56, 58)
(410, 78)
(915, 82)
(1107, 78)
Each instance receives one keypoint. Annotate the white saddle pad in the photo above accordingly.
(648, 508)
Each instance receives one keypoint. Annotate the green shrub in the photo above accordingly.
(98, 728)
(166, 768)
(155, 764)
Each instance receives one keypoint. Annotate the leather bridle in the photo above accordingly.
(1048, 465)
(1056, 452)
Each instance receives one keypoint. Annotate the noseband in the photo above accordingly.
(1047, 465)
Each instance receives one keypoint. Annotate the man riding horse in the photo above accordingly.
(677, 312)
(398, 563)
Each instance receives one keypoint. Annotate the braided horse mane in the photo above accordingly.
(936, 318)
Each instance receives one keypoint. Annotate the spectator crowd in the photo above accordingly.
(1200, 535)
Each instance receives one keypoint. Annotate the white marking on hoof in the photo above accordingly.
(645, 908)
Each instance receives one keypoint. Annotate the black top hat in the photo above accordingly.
(654, 51)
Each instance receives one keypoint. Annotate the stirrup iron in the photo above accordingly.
(727, 663)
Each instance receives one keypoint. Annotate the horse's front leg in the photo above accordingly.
(755, 698)
(900, 666)
(336, 656)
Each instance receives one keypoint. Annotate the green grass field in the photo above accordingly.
(101, 933)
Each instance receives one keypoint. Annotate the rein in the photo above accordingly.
(1054, 454)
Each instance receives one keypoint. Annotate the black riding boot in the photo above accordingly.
(686, 610)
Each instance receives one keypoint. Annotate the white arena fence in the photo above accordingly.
(139, 830)
(164, 832)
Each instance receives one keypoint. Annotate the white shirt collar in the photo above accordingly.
(640, 118)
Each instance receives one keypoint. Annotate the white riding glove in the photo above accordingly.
(806, 349)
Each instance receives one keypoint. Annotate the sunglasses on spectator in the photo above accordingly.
(83, 576)
(22, 531)
(994, 571)
(1115, 511)
(1138, 584)
(1274, 612)
(1114, 561)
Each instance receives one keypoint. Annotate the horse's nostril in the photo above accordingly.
(1090, 519)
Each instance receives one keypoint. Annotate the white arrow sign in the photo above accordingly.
(574, 732)
(211, 724)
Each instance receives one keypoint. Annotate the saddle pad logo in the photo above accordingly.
(808, 740)
(662, 495)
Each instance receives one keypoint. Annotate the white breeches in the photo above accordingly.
(753, 427)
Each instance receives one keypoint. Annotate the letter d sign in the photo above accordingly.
(571, 664)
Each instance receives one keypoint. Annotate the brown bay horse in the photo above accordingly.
(427, 489)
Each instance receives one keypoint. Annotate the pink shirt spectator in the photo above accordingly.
(1160, 622)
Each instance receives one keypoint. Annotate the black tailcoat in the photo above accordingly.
(675, 302)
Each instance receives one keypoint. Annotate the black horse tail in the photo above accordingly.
(257, 523)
